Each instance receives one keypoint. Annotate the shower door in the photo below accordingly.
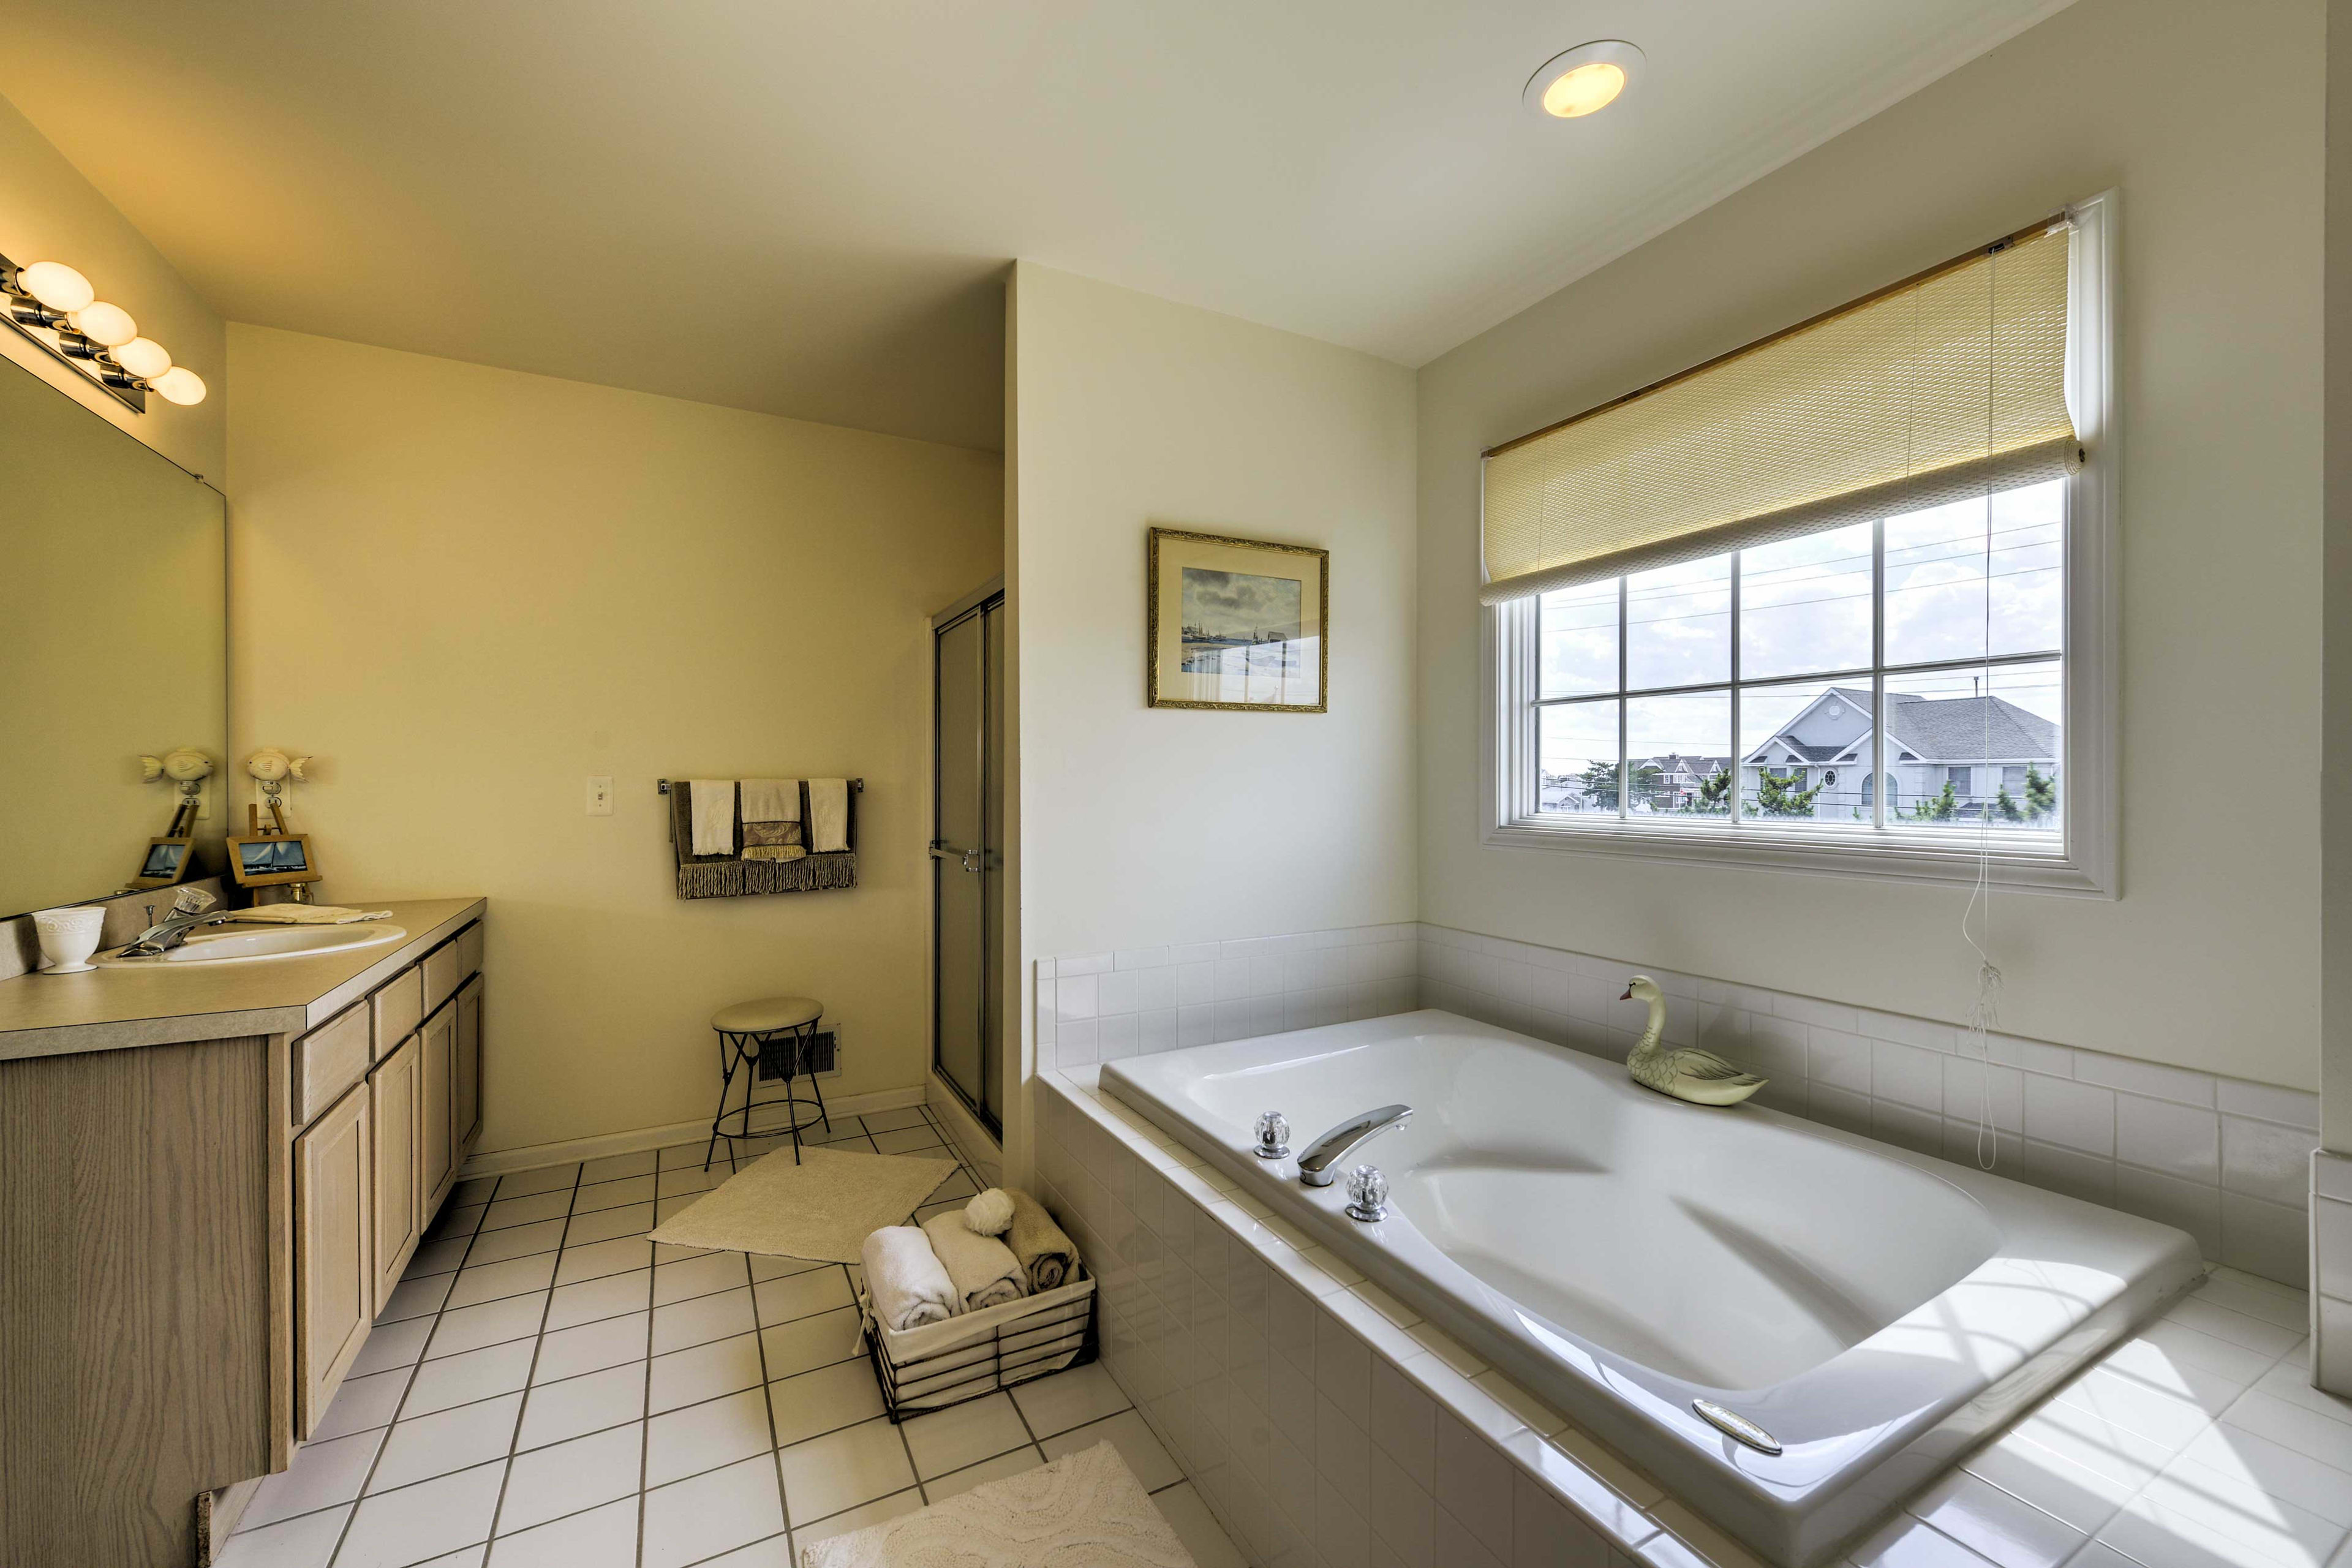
(967, 896)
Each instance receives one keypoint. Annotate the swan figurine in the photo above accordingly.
(1700, 1076)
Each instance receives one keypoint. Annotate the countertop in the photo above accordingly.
(118, 1005)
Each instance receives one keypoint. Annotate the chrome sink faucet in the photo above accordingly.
(188, 911)
(1316, 1166)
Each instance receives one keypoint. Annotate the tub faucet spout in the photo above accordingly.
(1315, 1167)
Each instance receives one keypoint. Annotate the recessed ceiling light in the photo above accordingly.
(1584, 81)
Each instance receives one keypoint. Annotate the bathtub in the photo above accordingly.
(1621, 1254)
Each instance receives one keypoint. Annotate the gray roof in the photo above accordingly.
(1949, 729)
(1666, 763)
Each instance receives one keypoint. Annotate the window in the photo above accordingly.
(1887, 694)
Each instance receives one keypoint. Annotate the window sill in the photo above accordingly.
(1827, 852)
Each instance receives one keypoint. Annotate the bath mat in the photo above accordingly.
(820, 1209)
(1086, 1509)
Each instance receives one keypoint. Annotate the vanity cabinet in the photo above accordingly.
(201, 1228)
(465, 1093)
(394, 1089)
(436, 1128)
(334, 1172)
(414, 1102)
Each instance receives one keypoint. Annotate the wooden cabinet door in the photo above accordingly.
(436, 1128)
(395, 1093)
(334, 1266)
(466, 1096)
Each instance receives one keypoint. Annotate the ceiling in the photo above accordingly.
(807, 209)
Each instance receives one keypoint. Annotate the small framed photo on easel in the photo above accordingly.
(166, 863)
(270, 859)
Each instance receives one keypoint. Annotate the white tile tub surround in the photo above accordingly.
(2331, 1273)
(1100, 1008)
(2225, 1159)
(1329, 1428)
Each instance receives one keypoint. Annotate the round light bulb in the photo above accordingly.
(55, 285)
(180, 385)
(1584, 90)
(142, 357)
(109, 326)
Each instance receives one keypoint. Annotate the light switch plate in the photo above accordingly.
(600, 794)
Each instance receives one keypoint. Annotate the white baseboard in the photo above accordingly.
(530, 1156)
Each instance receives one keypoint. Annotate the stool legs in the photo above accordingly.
(731, 1057)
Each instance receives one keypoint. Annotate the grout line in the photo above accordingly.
(514, 1438)
(343, 1535)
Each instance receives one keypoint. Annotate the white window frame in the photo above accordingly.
(2087, 861)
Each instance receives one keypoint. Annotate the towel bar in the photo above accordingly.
(661, 786)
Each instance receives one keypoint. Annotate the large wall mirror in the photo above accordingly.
(113, 649)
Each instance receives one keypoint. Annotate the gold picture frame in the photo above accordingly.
(167, 862)
(1236, 623)
(271, 859)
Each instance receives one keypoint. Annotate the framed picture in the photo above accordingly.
(272, 859)
(167, 862)
(1236, 623)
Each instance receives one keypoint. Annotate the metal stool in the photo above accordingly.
(747, 1031)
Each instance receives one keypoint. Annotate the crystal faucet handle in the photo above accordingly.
(1367, 1194)
(1273, 1136)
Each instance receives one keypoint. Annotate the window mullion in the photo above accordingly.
(1624, 763)
(1879, 673)
(1732, 793)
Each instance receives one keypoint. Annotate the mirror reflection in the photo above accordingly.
(113, 656)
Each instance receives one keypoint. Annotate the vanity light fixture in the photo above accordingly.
(1583, 80)
(56, 307)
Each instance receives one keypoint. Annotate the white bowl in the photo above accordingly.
(68, 937)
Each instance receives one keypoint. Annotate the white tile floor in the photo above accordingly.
(549, 1389)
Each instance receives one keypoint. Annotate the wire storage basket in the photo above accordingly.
(970, 1357)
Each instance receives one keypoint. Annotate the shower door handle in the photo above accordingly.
(970, 859)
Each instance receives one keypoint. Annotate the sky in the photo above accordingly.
(1241, 603)
(1805, 609)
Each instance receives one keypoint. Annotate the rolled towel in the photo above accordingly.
(1041, 1247)
(991, 1213)
(908, 1285)
(983, 1269)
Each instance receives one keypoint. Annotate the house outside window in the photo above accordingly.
(1895, 696)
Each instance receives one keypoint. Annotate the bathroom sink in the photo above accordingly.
(244, 944)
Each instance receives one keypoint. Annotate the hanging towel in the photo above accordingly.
(904, 1276)
(772, 819)
(983, 1269)
(1042, 1247)
(828, 815)
(714, 816)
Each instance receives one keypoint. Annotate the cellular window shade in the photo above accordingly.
(1947, 386)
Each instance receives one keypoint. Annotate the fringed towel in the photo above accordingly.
(772, 819)
(714, 816)
(731, 875)
(828, 816)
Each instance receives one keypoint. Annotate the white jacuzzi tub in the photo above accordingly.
(1620, 1254)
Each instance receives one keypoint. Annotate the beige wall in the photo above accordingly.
(2210, 958)
(468, 589)
(49, 213)
(1141, 826)
(2335, 788)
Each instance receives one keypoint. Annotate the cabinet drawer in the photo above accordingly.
(329, 1060)
(442, 974)
(469, 952)
(399, 1008)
